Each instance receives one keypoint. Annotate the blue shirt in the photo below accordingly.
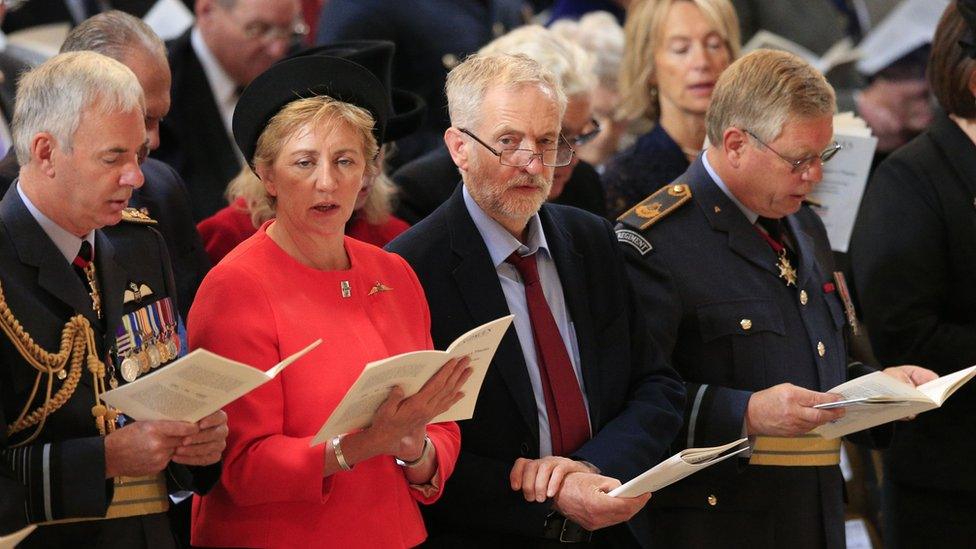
(750, 215)
(501, 244)
(67, 243)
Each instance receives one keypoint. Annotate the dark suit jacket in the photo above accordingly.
(913, 254)
(634, 396)
(164, 197)
(707, 270)
(63, 469)
(427, 182)
(11, 67)
(193, 136)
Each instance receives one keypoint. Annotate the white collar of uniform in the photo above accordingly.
(221, 84)
(68, 244)
(499, 241)
(750, 215)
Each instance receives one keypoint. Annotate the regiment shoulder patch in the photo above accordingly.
(657, 206)
(133, 215)
(635, 240)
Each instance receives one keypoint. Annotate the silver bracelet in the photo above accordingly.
(337, 450)
(416, 462)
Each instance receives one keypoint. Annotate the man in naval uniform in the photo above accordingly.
(737, 277)
(86, 306)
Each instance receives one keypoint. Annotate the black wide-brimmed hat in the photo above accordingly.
(407, 109)
(303, 77)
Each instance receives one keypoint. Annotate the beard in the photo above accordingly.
(498, 199)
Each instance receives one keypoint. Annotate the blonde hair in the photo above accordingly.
(468, 83)
(53, 96)
(289, 120)
(570, 63)
(761, 90)
(644, 32)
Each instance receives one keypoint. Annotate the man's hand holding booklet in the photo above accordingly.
(878, 398)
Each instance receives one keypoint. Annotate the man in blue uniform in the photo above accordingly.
(85, 307)
(737, 277)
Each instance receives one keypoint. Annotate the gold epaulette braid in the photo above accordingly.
(78, 345)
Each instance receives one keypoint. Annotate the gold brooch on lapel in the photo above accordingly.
(379, 287)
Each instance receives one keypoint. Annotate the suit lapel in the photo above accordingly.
(36, 249)
(724, 215)
(569, 265)
(112, 277)
(805, 249)
(481, 291)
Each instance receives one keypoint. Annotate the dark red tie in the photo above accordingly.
(568, 423)
(82, 260)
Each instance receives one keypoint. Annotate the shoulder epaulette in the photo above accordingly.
(657, 206)
(133, 215)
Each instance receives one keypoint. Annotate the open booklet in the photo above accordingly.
(677, 467)
(845, 177)
(193, 387)
(840, 53)
(878, 398)
(11, 540)
(410, 371)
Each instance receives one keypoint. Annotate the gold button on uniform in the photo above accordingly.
(712, 500)
(803, 297)
(821, 348)
(745, 323)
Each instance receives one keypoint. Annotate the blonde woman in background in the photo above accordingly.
(675, 52)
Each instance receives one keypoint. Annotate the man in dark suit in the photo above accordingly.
(164, 197)
(70, 282)
(739, 277)
(231, 42)
(575, 397)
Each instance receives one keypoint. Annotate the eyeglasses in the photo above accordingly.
(561, 156)
(266, 32)
(587, 136)
(803, 164)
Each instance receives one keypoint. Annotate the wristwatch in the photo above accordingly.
(416, 462)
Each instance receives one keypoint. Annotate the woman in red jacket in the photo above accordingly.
(300, 278)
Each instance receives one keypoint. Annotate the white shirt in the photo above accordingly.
(222, 86)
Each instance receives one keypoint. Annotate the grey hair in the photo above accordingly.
(468, 83)
(571, 64)
(597, 32)
(52, 97)
(113, 33)
(764, 89)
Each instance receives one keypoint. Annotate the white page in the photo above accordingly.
(675, 468)
(410, 371)
(941, 388)
(192, 387)
(906, 27)
(844, 180)
(11, 540)
(169, 18)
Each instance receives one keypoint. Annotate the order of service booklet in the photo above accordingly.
(410, 371)
(878, 398)
(193, 387)
(677, 467)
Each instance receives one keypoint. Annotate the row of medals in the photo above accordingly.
(155, 349)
